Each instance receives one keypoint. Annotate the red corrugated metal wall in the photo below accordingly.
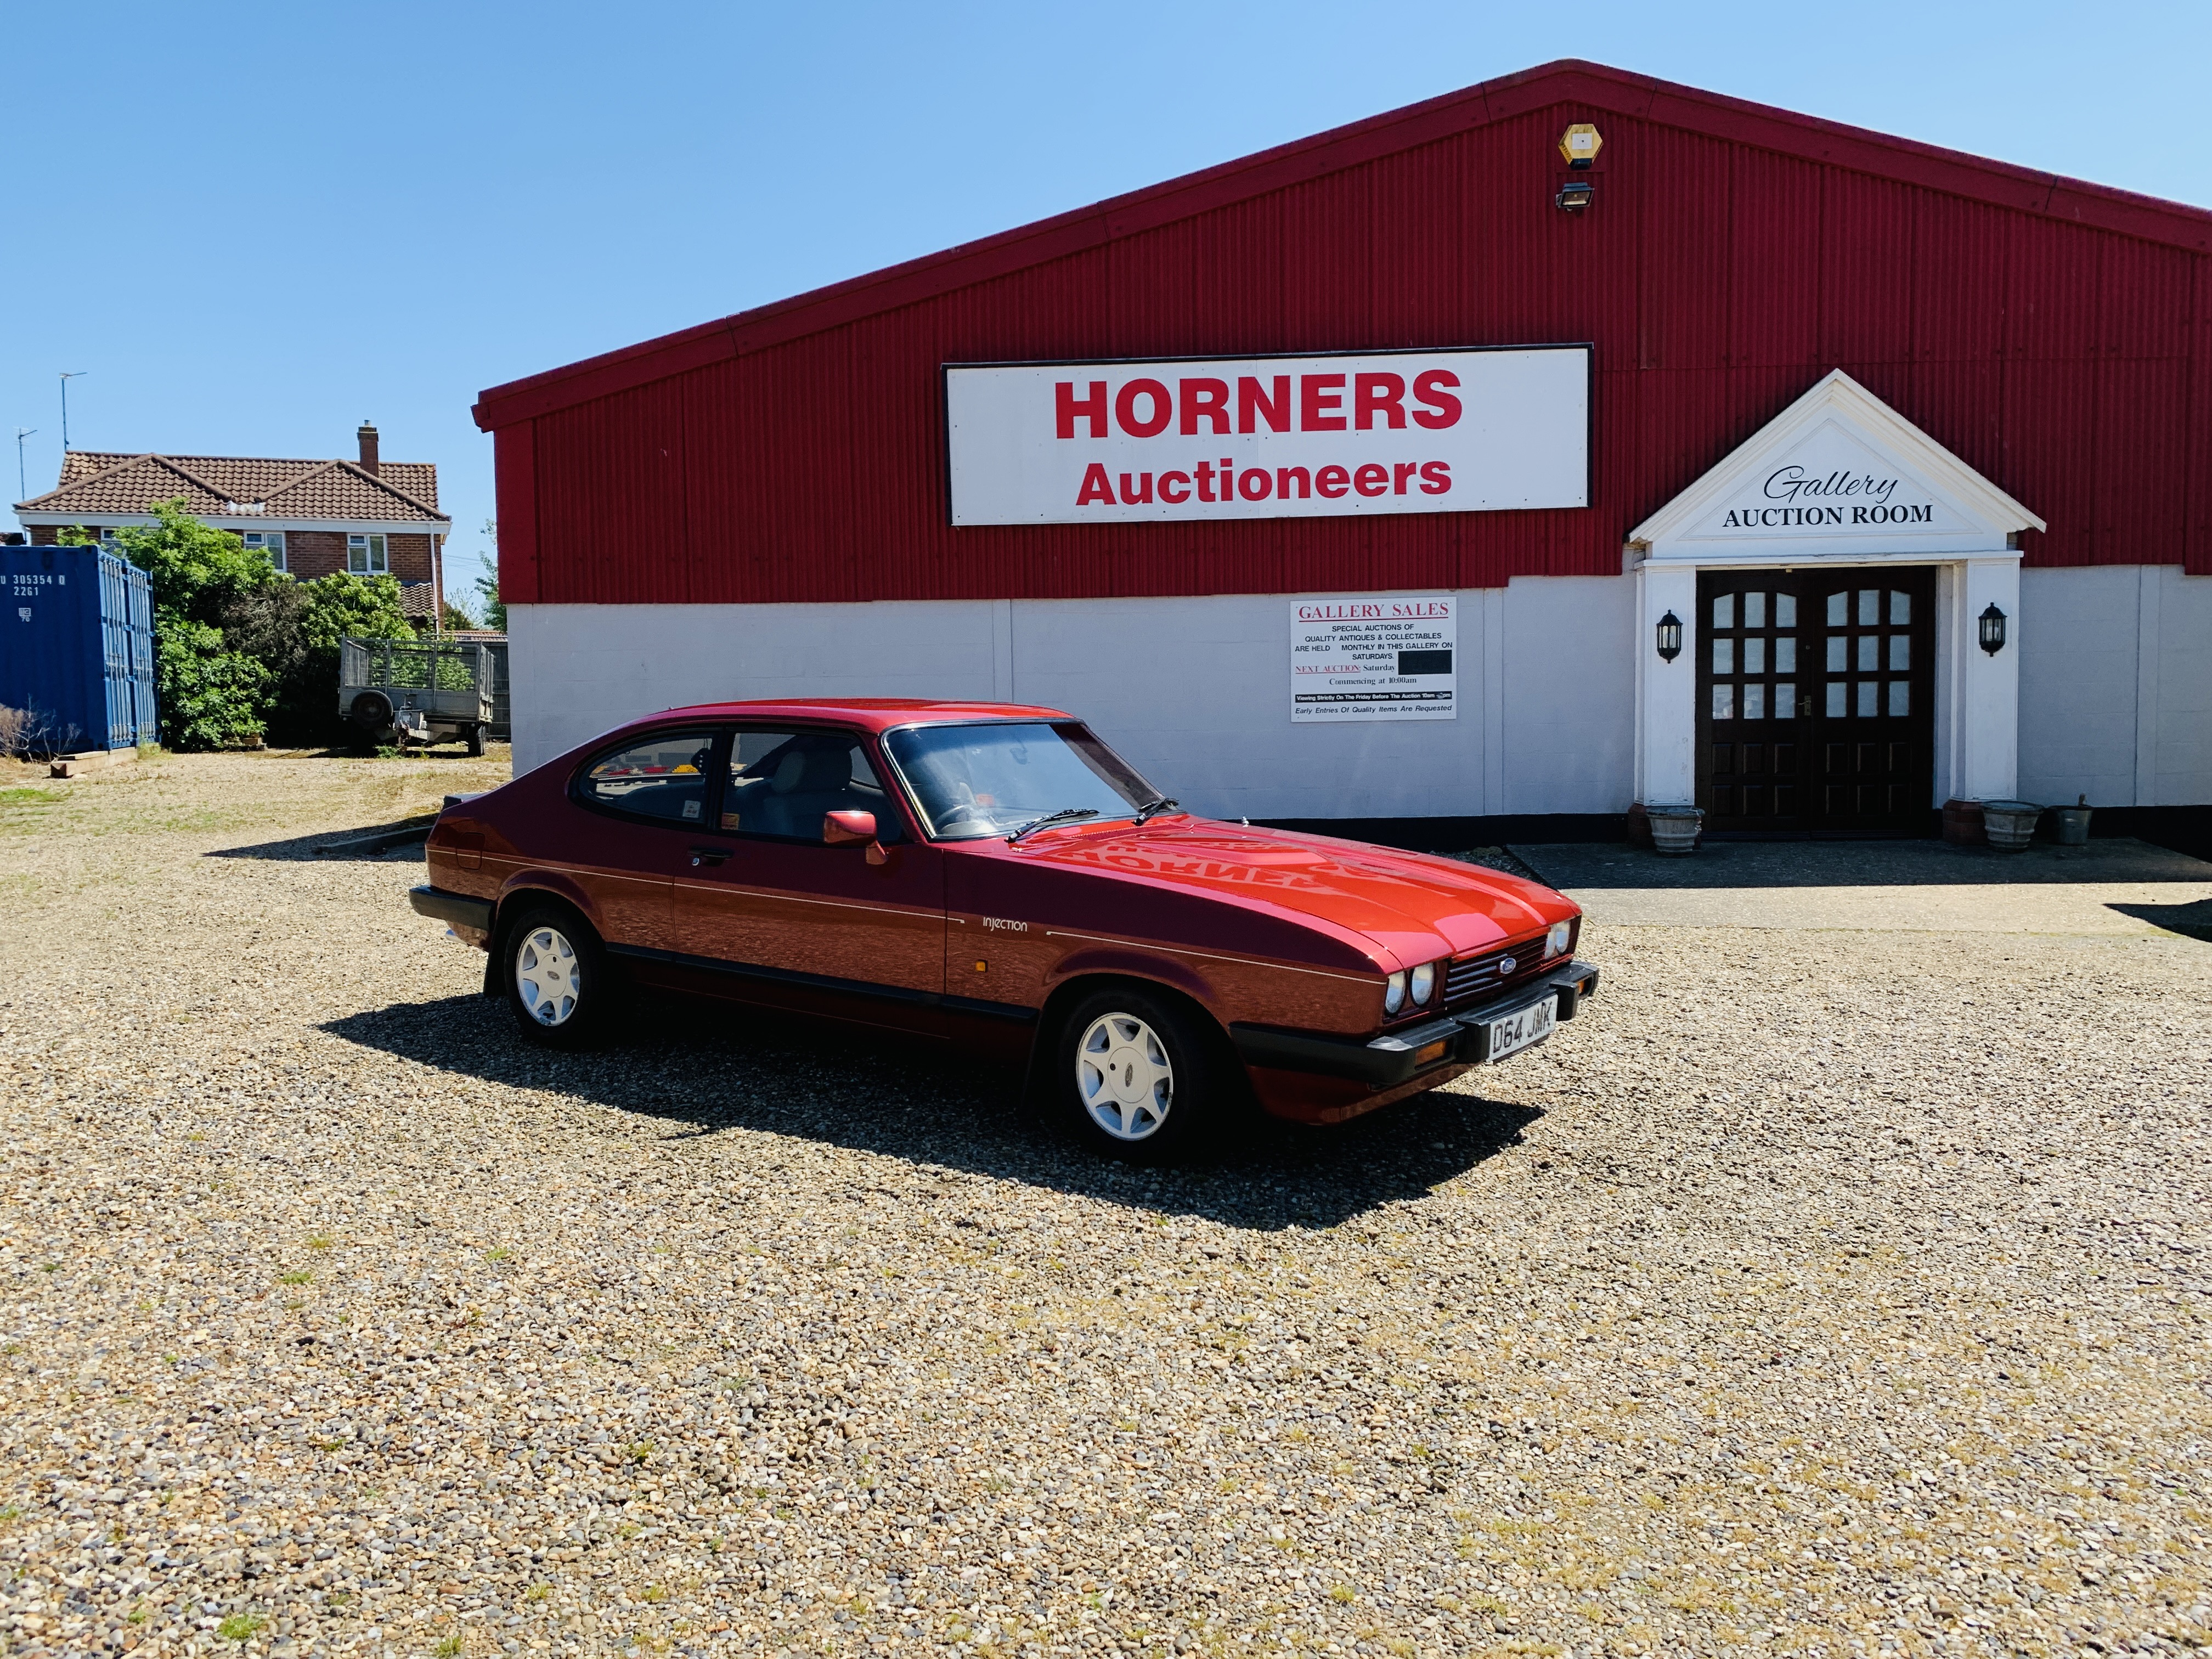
(1717, 279)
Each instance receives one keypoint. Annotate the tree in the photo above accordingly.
(240, 649)
(494, 608)
(457, 618)
(330, 608)
(211, 691)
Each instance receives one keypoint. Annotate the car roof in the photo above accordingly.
(872, 713)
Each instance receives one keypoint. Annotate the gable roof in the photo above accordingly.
(1600, 89)
(1826, 448)
(96, 484)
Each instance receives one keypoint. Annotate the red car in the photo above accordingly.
(994, 876)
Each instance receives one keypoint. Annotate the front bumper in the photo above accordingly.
(1385, 1062)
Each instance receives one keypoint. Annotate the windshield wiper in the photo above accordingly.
(1154, 807)
(1066, 814)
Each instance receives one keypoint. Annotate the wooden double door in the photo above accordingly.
(1816, 701)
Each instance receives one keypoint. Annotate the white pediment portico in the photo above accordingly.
(1840, 477)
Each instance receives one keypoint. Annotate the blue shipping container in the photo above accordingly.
(76, 648)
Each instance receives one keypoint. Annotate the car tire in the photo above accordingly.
(1142, 1077)
(476, 740)
(557, 978)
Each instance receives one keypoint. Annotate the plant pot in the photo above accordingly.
(2069, 825)
(1962, 823)
(2010, 824)
(1674, 829)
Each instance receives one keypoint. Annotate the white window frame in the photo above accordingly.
(375, 556)
(270, 542)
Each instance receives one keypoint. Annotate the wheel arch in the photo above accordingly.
(542, 886)
(1052, 1018)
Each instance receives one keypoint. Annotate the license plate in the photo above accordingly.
(1516, 1032)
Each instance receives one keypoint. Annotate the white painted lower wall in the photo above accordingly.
(2116, 686)
(2115, 679)
(1195, 692)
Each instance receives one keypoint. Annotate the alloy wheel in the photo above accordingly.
(1124, 1077)
(545, 974)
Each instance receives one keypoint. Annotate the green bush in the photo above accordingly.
(329, 608)
(240, 649)
(209, 695)
(211, 691)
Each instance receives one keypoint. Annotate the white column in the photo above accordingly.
(1493, 700)
(1987, 761)
(1950, 586)
(1666, 692)
(1002, 651)
(2150, 582)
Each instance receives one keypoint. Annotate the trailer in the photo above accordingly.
(420, 691)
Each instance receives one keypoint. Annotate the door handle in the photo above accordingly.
(708, 855)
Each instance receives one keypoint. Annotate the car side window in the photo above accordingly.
(664, 778)
(781, 783)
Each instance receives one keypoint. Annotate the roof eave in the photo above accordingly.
(27, 514)
(1977, 178)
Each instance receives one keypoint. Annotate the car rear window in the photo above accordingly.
(663, 777)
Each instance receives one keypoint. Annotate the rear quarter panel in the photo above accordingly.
(528, 836)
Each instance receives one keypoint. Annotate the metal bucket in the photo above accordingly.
(2069, 825)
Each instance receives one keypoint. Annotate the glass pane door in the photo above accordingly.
(1875, 759)
(1815, 697)
(1751, 699)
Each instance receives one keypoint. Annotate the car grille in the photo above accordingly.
(1477, 976)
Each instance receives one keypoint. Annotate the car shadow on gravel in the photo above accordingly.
(2192, 921)
(367, 841)
(712, 1069)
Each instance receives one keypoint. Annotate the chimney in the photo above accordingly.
(368, 436)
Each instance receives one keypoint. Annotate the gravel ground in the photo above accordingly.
(1817, 1291)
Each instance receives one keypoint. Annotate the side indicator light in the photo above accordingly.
(981, 968)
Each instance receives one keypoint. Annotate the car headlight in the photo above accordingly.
(1560, 940)
(1424, 984)
(1394, 994)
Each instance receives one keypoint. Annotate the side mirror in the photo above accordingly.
(851, 829)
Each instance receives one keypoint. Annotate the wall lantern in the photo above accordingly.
(1575, 195)
(1670, 637)
(1993, 629)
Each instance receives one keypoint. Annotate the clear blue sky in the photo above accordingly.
(255, 225)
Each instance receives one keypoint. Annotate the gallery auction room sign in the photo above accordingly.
(1269, 437)
(1360, 658)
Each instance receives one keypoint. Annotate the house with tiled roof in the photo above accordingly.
(368, 516)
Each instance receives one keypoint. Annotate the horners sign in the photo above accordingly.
(1325, 437)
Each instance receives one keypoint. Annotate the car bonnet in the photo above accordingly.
(1405, 902)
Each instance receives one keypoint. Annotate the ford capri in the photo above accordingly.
(993, 878)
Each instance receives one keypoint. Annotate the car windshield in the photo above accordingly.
(976, 781)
